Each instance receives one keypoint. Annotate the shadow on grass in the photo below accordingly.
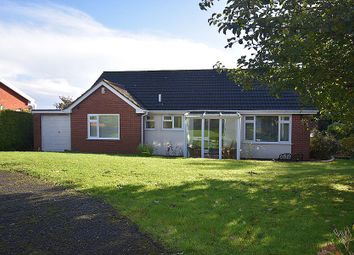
(38, 219)
(252, 216)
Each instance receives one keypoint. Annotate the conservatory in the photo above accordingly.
(213, 135)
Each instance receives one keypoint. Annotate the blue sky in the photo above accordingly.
(60, 47)
(180, 18)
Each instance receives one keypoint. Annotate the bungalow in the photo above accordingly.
(195, 113)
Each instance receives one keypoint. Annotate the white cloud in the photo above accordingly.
(53, 50)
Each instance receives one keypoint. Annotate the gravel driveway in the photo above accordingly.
(39, 218)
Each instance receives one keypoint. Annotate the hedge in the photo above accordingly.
(16, 131)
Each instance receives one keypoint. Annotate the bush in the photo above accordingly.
(339, 130)
(16, 131)
(323, 146)
(145, 150)
(347, 146)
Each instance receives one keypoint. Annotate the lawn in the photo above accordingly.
(196, 206)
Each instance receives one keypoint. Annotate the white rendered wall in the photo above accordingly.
(160, 138)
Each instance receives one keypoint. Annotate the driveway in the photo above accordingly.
(39, 218)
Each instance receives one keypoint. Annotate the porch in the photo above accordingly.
(213, 135)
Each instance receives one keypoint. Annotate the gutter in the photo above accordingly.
(142, 127)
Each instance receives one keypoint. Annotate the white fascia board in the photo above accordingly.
(270, 112)
(264, 112)
(50, 112)
(98, 85)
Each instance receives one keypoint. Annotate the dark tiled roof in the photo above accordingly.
(197, 90)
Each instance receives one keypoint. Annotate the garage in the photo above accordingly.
(55, 132)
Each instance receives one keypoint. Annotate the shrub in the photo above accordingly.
(323, 146)
(339, 130)
(145, 150)
(16, 131)
(347, 146)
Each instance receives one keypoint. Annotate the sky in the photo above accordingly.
(59, 48)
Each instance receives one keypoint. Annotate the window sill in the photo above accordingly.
(103, 139)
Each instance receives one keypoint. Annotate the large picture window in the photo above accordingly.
(103, 126)
(267, 128)
(172, 122)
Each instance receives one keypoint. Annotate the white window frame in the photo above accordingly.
(280, 121)
(254, 127)
(254, 121)
(173, 122)
(97, 127)
(151, 120)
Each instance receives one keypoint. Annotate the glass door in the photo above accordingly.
(211, 138)
(229, 143)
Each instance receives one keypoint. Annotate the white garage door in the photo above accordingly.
(56, 133)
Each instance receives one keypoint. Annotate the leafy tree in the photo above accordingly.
(65, 102)
(302, 45)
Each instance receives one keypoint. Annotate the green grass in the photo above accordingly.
(200, 206)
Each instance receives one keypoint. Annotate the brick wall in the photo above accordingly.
(37, 138)
(300, 136)
(108, 103)
(11, 100)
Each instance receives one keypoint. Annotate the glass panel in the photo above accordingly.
(167, 124)
(167, 118)
(93, 117)
(284, 132)
(285, 118)
(267, 128)
(249, 131)
(178, 121)
(93, 129)
(249, 118)
(150, 124)
(108, 126)
(211, 142)
(194, 133)
(229, 139)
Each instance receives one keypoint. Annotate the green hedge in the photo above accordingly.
(16, 131)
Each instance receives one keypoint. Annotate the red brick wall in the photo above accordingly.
(11, 100)
(300, 136)
(37, 138)
(108, 103)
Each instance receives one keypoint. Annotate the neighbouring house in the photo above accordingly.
(13, 99)
(195, 113)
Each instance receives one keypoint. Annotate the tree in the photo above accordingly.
(301, 45)
(65, 102)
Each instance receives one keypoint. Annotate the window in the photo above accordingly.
(284, 128)
(249, 128)
(149, 122)
(172, 122)
(103, 126)
(267, 128)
